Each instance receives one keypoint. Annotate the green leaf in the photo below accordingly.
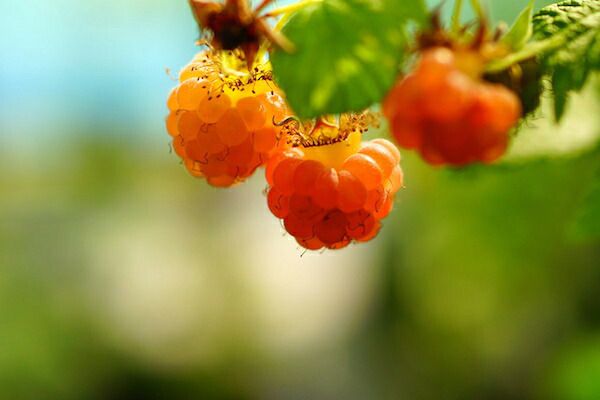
(571, 32)
(347, 54)
(522, 29)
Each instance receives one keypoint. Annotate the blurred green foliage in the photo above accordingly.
(481, 290)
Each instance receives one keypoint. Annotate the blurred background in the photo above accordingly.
(122, 277)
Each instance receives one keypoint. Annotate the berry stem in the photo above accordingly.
(530, 51)
(477, 8)
(536, 48)
(285, 12)
(261, 6)
(456, 14)
(289, 9)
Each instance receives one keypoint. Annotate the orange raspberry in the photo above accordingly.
(448, 113)
(330, 189)
(221, 118)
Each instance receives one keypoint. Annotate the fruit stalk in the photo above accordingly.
(456, 16)
(532, 50)
(289, 9)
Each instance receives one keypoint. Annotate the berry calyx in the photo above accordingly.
(331, 189)
(233, 25)
(447, 112)
(221, 118)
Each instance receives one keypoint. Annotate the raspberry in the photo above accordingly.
(448, 113)
(331, 189)
(221, 119)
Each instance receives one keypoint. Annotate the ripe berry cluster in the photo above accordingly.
(448, 113)
(329, 187)
(331, 195)
(221, 120)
